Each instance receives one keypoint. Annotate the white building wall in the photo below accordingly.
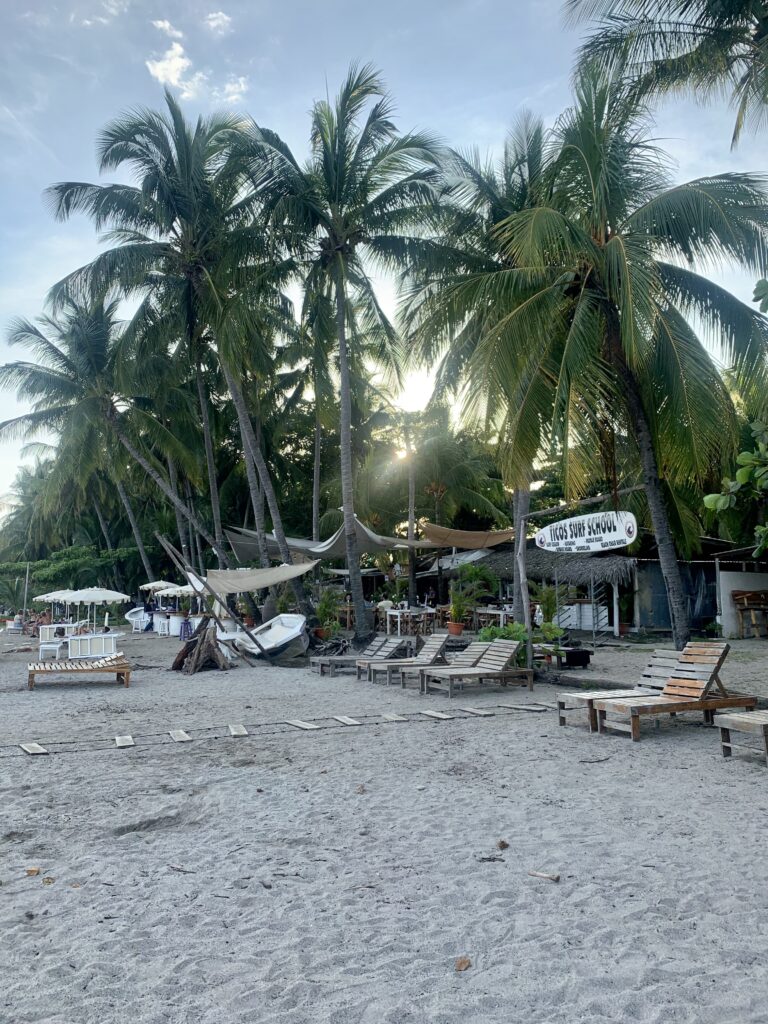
(729, 581)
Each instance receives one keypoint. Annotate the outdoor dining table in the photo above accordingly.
(409, 616)
(486, 615)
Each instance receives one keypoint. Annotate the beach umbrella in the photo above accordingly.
(173, 591)
(156, 585)
(56, 595)
(96, 595)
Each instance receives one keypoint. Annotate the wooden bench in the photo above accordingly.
(495, 665)
(115, 665)
(753, 723)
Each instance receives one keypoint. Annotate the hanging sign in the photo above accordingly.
(599, 531)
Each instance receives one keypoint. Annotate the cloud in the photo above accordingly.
(233, 91)
(171, 67)
(165, 26)
(218, 22)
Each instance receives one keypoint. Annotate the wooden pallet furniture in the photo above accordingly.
(391, 647)
(682, 693)
(430, 653)
(496, 665)
(115, 665)
(752, 609)
(752, 723)
(660, 667)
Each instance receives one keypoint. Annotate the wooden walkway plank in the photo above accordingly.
(346, 720)
(394, 718)
(481, 712)
(237, 730)
(179, 736)
(124, 741)
(436, 714)
(33, 748)
(298, 724)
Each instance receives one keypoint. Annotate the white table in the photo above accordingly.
(48, 633)
(500, 613)
(408, 613)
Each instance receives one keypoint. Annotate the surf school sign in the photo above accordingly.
(599, 531)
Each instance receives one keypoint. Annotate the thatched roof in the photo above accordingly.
(575, 569)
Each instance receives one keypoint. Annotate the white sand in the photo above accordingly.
(336, 875)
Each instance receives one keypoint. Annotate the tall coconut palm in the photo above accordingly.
(72, 384)
(185, 239)
(598, 307)
(706, 47)
(358, 203)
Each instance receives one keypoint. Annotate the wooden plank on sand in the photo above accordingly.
(394, 718)
(179, 736)
(238, 730)
(33, 748)
(298, 724)
(124, 741)
(346, 720)
(481, 712)
(436, 714)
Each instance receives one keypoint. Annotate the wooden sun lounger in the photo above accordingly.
(654, 676)
(683, 692)
(466, 658)
(331, 662)
(115, 665)
(389, 649)
(430, 653)
(495, 665)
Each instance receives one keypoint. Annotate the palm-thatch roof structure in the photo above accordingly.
(578, 570)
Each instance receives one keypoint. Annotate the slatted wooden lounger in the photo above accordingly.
(463, 659)
(115, 664)
(681, 693)
(331, 662)
(661, 666)
(392, 646)
(431, 652)
(497, 664)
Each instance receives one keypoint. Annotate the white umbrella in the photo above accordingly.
(187, 591)
(97, 595)
(55, 595)
(156, 585)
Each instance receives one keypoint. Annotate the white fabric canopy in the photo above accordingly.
(242, 581)
(245, 544)
(157, 585)
(56, 595)
(187, 591)
(96, 595)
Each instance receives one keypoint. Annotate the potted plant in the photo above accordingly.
(328, 614)
(459, 605)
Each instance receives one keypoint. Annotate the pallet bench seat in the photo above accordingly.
(668, 703)
(329, 663)
(753, 723)
(496, 665)
(687, 664)
(115, 665)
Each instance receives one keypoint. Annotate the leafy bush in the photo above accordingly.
(547, 633)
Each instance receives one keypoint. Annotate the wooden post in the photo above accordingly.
(522, 573)
(616, 630)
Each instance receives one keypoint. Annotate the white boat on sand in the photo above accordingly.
(283, 636)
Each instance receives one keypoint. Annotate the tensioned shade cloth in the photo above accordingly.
(157, 585)
(241, 581)
(245, 544)
(96, 595)
(470, 540)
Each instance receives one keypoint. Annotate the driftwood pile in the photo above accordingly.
(201, 652)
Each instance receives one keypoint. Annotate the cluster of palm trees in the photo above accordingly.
(231, 334)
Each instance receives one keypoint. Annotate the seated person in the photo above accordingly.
(59, 633)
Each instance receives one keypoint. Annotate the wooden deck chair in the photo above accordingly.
(392, 646)
(430, 653)
(115, 664)
(333, 661)
(688, 689)
(662, 665)
(497, 664)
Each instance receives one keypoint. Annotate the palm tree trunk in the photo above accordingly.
(678, 605)
(134, 529)
(253, 449)
(174, 478)
(413, 597)
(362, 624)
(170, 494)
(316, 477)
(213, 486)
(103, 525)
(257, 503)
(521, 504)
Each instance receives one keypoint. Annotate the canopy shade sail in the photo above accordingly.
(242, 581)
(156, 585)
(245, 545)
(469, 540)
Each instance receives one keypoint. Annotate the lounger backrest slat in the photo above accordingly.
(498, 655)
(696, 672)
(470, 654)
(686, 688)
(433, 646)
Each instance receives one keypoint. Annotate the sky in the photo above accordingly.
(464, 69)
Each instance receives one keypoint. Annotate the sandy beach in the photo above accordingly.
(337, 875)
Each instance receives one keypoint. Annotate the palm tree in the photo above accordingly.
(187, 243)
(594, 334)
(73, 387)
(706, 47)
(358, 203)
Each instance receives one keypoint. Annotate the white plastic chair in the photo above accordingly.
(162, 625)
